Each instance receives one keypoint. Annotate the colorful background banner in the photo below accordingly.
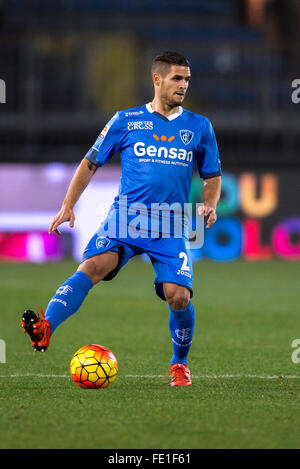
(258, 217)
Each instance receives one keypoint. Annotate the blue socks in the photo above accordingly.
(181, 324)
(70, 296)
(68, 299)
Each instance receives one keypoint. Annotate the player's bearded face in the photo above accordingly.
(174, 85)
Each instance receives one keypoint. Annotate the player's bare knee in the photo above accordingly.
(89, 268)
(97, 267)
(178, 297)
(179, 302)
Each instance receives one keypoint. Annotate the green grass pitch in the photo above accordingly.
(245, 392)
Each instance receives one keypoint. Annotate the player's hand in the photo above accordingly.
(209, 212)
(65, 214)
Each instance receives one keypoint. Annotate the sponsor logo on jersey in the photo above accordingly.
(186, 136)
(134, 113)
(140, 125)
(163, 138)
(140, 149)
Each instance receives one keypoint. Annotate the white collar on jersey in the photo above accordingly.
(171, 117)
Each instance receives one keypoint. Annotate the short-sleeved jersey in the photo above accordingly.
(158, 153)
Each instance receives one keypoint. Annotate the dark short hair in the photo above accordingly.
(164, 60)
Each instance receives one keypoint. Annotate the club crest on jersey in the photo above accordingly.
(186, 136)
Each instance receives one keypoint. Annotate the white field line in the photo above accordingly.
(225, 376)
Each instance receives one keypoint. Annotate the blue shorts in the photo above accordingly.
(170, 257)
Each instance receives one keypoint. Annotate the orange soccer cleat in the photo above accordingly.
(38, 328)
(180, 375)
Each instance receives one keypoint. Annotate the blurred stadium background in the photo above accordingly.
(69, 65)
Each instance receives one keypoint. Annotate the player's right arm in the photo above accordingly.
(107, 143)
(79, 182)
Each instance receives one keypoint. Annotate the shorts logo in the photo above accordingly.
(140, 125)
(186, 136)
(102, 242)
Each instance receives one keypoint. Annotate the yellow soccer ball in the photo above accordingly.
(93, 367)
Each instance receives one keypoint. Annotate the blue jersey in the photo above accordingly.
(158, 154)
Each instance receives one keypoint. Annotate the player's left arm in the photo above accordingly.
(211, 195)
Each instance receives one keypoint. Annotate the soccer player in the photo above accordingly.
(159, 142)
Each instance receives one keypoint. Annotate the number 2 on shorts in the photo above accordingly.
(185, 261)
